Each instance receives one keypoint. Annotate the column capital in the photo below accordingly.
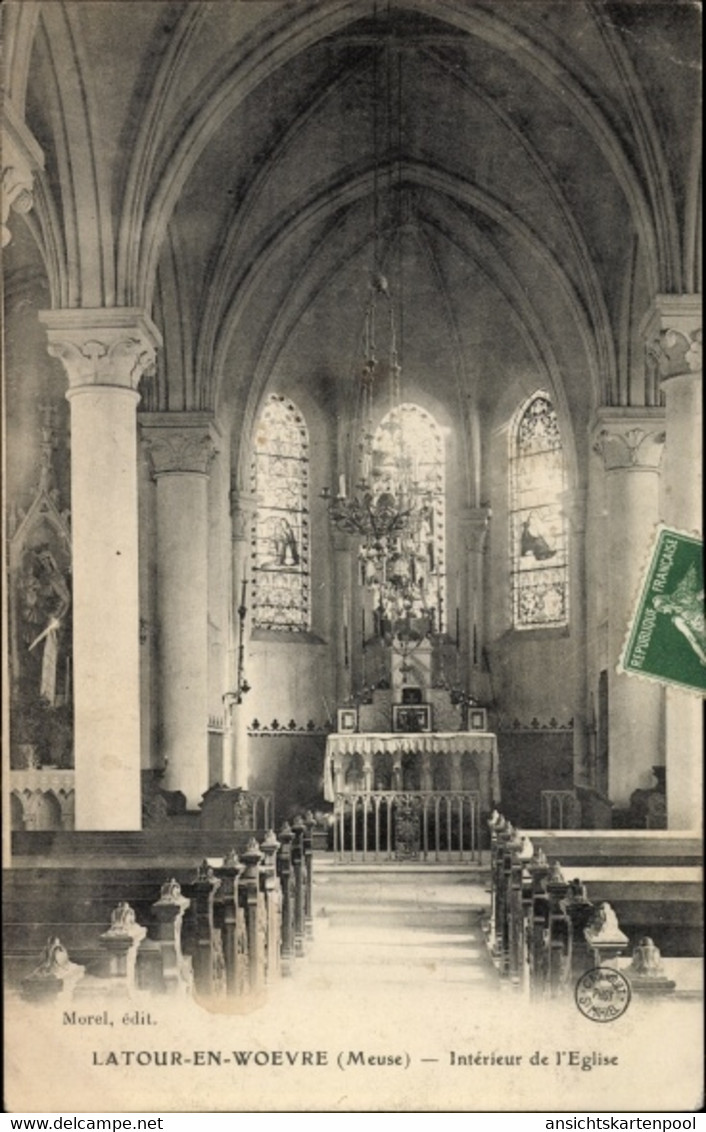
(21, 156)
(630, 439)
(475, 522)
(672, 330)
(179, 443)
(102, 345)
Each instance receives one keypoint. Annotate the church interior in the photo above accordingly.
(352, 359)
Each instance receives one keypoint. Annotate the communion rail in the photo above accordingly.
(408, 825)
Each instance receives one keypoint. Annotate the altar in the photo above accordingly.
(412, 769)
(434, 762)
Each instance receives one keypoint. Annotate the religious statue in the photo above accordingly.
(46, 599)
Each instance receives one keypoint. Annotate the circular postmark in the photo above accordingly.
(602, 994)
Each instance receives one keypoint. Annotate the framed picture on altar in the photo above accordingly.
(411, 717)
(347, 719)
(477, 719)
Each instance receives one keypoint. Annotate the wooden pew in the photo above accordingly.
(543, 931)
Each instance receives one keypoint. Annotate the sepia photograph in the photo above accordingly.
(353, 637)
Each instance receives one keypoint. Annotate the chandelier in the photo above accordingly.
(389, 509)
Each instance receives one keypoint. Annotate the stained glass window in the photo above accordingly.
(280, 537)
(538, 534)
(423, 445)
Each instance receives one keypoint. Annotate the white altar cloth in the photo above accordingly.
(483, 744)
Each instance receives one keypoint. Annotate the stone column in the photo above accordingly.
(631, 443)
(104, 352)
(21, 156)
(674, 343)
(181, 447)
(476, 521)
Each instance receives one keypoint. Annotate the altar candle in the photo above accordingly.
(362, 624)
(342, 485)
(458, 630)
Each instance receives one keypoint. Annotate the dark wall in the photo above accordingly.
(532, 761)
(292, 767)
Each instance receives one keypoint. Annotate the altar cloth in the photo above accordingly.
(435, 743)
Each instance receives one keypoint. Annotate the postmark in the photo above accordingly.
(666, 639)
(603, 994)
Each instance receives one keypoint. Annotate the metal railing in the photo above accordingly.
(407, 825)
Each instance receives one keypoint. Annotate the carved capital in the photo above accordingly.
(626, 441)
(673, 335)
(675, 353)
(21, 155)
(476, 523)
(179, 443)
(102, 346)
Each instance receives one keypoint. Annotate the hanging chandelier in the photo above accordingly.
(389, 509)
(390, 506)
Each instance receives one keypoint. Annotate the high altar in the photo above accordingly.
(405, 772)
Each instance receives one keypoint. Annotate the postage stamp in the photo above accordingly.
(602, 994)
(666, 639)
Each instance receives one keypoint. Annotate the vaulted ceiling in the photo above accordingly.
(528, 172)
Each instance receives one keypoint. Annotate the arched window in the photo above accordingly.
(423, 446)
(538, 535)
(280, 536)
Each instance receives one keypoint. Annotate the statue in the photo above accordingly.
(46, 601)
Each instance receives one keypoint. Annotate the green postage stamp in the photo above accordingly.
(667, 636)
